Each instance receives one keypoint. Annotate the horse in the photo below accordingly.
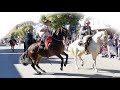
(36, 51)
(94, 47)
(12, 44)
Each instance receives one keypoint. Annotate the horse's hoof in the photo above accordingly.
(44, 71)
(61, 69)
(65, 64)
(82, 65)
(39, 73)
(96, 70)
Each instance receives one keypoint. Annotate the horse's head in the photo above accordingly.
(24, 60)
(102, 36)
(60, 33)
(64, 32)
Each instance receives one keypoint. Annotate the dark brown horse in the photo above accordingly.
(35, 52)
(12, 44)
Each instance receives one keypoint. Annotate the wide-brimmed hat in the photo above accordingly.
(87, 22)
(45, 21)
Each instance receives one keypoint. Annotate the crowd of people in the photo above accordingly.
(112, 49)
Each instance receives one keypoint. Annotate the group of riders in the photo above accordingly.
(39, 35)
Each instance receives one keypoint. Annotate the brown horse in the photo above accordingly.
(12, 44)
(35, 52)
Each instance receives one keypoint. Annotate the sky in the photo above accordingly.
(98, 19)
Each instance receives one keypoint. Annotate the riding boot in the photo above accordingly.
(86, 51)
(46, 47)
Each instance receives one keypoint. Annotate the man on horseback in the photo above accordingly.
(86, 35)
(44, 32)
(13, 38)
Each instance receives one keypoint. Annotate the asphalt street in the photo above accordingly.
(10, 68)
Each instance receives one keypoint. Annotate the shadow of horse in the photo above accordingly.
(83, 75)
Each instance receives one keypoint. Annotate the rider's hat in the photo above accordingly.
(87, 22)
(45, 21)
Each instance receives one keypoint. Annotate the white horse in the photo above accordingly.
(94, 47)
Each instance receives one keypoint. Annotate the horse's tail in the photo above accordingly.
(24, 58)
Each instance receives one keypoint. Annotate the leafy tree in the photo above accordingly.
(63, 19)
(20, 29)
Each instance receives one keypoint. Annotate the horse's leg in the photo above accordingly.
(94, 63)
(82, 62)
(76, 62)
(39, 67)
(75, 58)
(61, 61)
(13, 48)
(33, 65)
(66, 58)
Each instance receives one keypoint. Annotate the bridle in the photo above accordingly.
(58, 39)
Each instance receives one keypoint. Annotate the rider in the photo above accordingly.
(44, 31)
(13, 38)
(84, 31)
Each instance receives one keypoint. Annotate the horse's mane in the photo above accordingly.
(99, 34)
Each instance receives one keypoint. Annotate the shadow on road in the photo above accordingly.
(7, 61)
(84, 75)
(7, 51)
(111, 71)
(53, 60)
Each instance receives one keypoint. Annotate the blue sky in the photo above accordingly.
(98, 19)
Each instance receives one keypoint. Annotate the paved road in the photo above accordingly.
(9, 67)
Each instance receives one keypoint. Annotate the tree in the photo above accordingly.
(63, 19)
(20, 29)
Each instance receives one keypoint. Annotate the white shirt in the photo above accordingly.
(38, 27)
